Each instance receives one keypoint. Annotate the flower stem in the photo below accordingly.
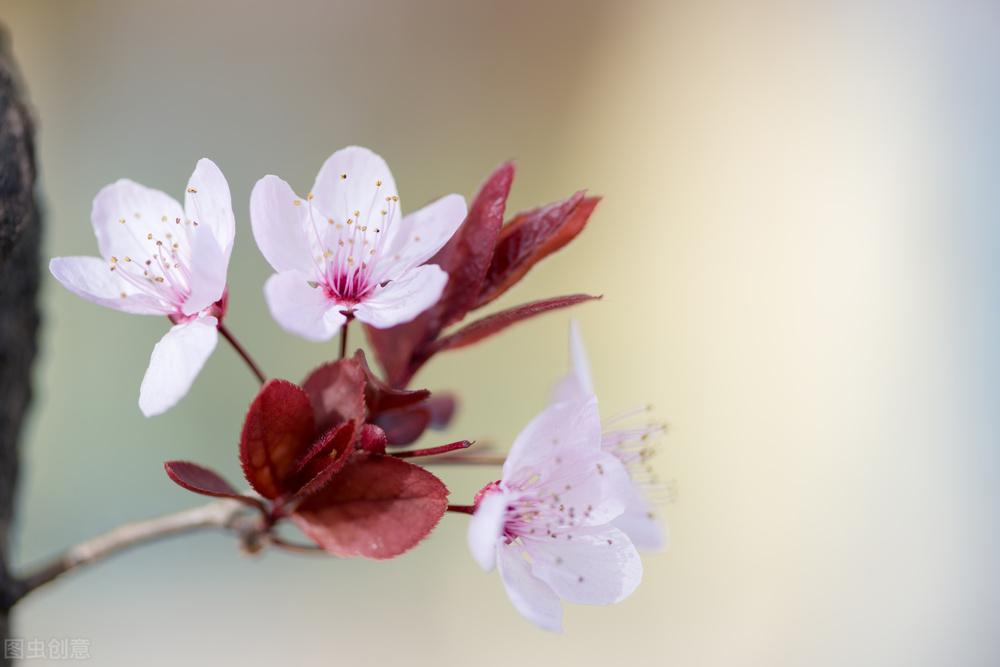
(343, 338)
(462, 509)
(431, 451)
(254, 368)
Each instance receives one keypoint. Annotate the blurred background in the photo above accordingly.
(798, 252)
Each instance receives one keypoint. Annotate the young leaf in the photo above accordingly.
(199, 479)
(465, 258)
(278, 430)
(405, 425)
(377, 507)
(337, 392)
(325, 459)
(497, 322)
(380, 397)
(532, 236)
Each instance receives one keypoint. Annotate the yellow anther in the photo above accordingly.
(296, 202)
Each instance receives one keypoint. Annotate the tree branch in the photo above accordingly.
(228, 515)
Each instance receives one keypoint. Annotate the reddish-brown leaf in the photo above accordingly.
(532, 236)
(380, 396)
(405, 425)
(442, 408)
(497, 322)
(466, 258)
(199, 479)
(278, 430)
(325, 459)
(377, 507)
(337, 392)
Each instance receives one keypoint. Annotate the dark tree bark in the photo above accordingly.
(20, 233)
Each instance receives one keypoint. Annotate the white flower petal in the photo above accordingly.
(485, 529)
(280, 225)
(563, 431)
(208, 202)
(577, 384)
(208, 271)
(175, 363)
(641, 524)
(91, 278)
(300, 308)
(597, 566)
(404, 298)
(353, 179)
(420, 235)
(125, 213)
(531, 596)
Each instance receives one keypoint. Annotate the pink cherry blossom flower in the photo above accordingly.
(345, 250)
(160, 259)
(632, 446)
(547, 523)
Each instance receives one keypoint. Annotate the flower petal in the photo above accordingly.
(562, 430)
(353, 179)
(300, 308)
(125, 213)
(641, 524)
(531, 596)
(175, 363)
(208, 202)
(280, 225)
(577, 384)
(92, 279)
(208, 271)
(485, 529)
(597, 566)
(404, 298)
(420, 235)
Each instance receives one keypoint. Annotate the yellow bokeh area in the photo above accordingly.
(796, 251)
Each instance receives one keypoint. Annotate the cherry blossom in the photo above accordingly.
(547, 524)
(346, 251)
(632, 446)
(158, 258)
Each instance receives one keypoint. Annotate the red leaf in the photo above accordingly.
(405, 425)
(530, 237)
(468, 254)
(442, 409)
(465, 258)
(337, 392)
(325, 459)
(278, 430)
(199, 479)
(380, 397)
(497, 322)
(377, 507)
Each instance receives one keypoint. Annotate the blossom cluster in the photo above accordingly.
(331, 454)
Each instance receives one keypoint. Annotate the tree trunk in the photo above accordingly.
(20, 234)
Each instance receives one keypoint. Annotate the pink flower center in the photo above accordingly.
(164, 273)
(350, 245)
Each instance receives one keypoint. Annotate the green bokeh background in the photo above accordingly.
(794, 253)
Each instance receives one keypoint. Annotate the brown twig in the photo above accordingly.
(240, 350)
(225, 514)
